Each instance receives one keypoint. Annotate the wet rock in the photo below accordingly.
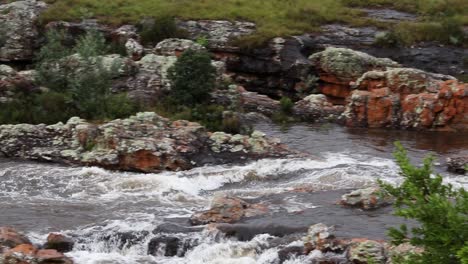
(10, 238)
(28, 254)
(321, 237)
(124, 240)
(175, 228)
(290, 252)
(363, 251)
(457, 164)
(317, 107)
(246, 232)
(145, 142)
(175, 47)
(225, 209)
(167, 246)
(59, 242)
(367, 199)
(19, 32)
(218, 33)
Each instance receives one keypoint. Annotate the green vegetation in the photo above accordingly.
(156, 29)
(192, 78)
(274, 17)
(441, 210)
(78, 85)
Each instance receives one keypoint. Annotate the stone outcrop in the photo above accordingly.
(218, 33)
(408, 98)
(225, 209)
(367, 199)
(175, 47)
(17, 248)
(19, 34)
(145, 142)
(337, 67)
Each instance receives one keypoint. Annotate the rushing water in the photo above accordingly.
(114, 215)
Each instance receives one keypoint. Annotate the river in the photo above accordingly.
(114, 215)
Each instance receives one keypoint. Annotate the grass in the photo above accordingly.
(273, 17)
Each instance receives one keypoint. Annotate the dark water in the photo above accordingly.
(96, 206)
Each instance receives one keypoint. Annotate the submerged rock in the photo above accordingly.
(145, 142)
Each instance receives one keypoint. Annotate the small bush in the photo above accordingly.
(441, 210)
(155, 30)
(193, 77)
(286, 105)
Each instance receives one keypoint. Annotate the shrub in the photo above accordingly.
(193, 77)
(157, 29)
(286, 105)
(441, 210)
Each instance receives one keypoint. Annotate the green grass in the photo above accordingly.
(273, 17)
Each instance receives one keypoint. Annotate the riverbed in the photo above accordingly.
(114, 215)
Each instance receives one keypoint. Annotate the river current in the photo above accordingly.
(114, 215)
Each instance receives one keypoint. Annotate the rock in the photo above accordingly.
(145, 142)
(317, 107)
(367, 199)
(19, 32)
(134, 49)
(428, 56)
(363, 251)
(175, 47)
(457, 164)
(225, 209)
(27, 253)
(218, 33)
(342, 66)
(389, 15)
(408, 98)
(290, 252)
(246, 232)
(59, 242)
(125, 33)
(168, 246)
(320, 237)
(10, 238)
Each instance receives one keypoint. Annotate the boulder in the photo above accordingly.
(10, 238)
(317, 107)
(175, 47)
(367, 199)
(145, 142)
(226, 209)
(27, 253)
(402, 252)
(167, 246)
(74, 30)
(342, 66)
(364, 251)
(457, 164)
(19, 32)
(59, 242)
(134, 49)
(321, 237)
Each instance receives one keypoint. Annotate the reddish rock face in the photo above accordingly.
(10, 238)
(59, 243)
